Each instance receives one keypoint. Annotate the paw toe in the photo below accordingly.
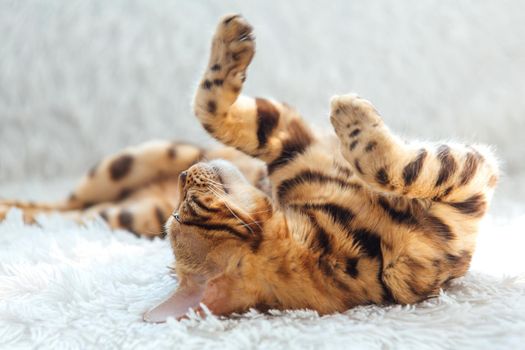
(339, 102)
(235, 28)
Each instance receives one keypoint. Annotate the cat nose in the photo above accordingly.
(183, 177)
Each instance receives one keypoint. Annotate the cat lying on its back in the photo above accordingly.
(364, 218)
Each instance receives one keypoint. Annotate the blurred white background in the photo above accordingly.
(81, 79)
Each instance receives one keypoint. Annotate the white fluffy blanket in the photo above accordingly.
(65, 286)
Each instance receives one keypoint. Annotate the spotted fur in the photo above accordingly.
(294, 220)
(380, 221)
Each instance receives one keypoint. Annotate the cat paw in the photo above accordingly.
(350, 113)
(233, 47)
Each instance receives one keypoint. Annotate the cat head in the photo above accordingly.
(216, 233)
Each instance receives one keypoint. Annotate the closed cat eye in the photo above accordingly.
(183, 176)
(176, 216)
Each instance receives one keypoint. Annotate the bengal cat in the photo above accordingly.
(323, 223)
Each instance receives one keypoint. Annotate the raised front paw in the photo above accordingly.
(232, 50)
(350, 114)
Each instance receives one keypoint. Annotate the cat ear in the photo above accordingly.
(182, 300)
(215, 294)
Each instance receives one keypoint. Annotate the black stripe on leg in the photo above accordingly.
(298, 140)
(351, 267)
(206, 84)
(124, 193)
(470, 167)
(382, 177)
(368, 241)
(399, 216)
(209, 128)
(448, 164)
(437, 227)
(307, 177)
(388, 296)
(473, 206)
(212, 107)
(267, 120)
(370, 146)
(413, 169)
(125, 220)
(120, 167)
(322, 239)
(358, 167)
(339, 214)
(444, 194)
(355, 132)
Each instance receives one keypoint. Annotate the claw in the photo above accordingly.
(246, 37)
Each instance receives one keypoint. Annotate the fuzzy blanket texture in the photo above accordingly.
(65, 286)
(81, 79)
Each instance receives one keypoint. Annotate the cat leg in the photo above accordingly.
(441, 172)
(121, 178)
(144, 218)
(119, 175)
(143, 213)
(437, 191)
(261, 128)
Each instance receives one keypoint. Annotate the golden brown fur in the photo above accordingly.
(361, 218)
